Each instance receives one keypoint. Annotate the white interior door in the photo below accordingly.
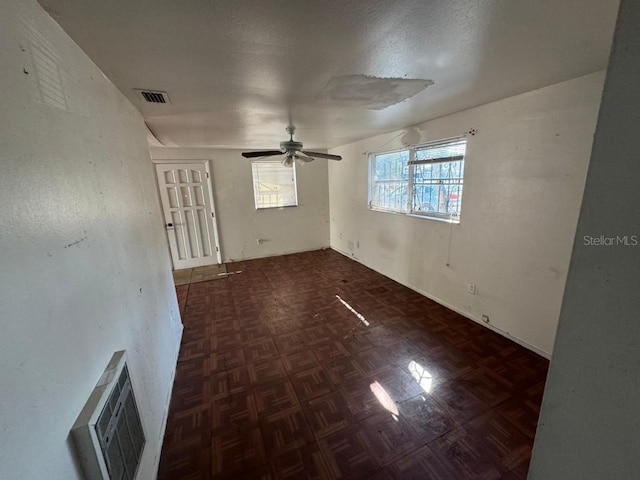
(187, 204)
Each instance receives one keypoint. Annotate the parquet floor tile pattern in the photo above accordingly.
(312, 366)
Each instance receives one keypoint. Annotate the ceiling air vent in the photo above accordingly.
(154, 96)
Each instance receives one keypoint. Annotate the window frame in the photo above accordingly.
(410, 181)
(372, 156)
(253, 183)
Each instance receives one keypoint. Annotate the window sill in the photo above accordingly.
(397, 212)
(437, 219)
(416, 215)
(280, 207)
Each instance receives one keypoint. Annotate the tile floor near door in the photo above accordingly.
(199, 274)
(312, 366)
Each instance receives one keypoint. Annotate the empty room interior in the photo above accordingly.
(319, 240)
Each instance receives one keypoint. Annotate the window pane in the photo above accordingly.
(438, 182)
(389, 179)
(274, 185)
(442, 150)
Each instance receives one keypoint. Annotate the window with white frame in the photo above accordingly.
(424, 180)
(274, 185)
(388, 181)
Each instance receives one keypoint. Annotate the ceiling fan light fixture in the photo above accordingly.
(288, 161)
(292, 151)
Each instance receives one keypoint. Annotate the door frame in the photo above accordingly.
(207, 167)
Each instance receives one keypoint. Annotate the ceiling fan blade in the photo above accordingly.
(262, 153)
(303, 157)
(322, 155)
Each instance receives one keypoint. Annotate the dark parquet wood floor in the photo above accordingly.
(312, 366)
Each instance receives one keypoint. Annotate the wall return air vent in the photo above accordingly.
(154, 96)
(108, 433)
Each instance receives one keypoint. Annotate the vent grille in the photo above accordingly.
(120, 430)
(154, 96)
(108, 432)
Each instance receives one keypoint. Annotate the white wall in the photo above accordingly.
(84, 268)
(524, 176)
(284, 230)
(589, 427)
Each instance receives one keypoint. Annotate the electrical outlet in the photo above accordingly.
(471, 288)
(350, 246)
(358, 244)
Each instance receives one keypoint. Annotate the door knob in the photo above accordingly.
(169, 225)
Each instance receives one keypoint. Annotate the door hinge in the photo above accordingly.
(217, 249)
(213, 215)
(207, 174)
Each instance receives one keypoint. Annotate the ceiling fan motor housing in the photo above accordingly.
(290, 145)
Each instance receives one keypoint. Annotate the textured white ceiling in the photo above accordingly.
(238, 71)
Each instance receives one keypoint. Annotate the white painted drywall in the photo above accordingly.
(84, 268)
(589, 427)
(524, 176)
(240, 225)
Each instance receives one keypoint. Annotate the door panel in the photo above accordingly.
(187, 204)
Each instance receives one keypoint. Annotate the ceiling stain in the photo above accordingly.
(372, 93)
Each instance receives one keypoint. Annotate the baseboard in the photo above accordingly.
(165, 416)
(465, 314)
(267, 255)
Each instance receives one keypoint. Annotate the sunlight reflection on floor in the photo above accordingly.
(353, 310)
(384, 398)
(420, 375)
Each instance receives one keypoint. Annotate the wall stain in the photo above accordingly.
(556, 273)
(76, 242)
(386, 241)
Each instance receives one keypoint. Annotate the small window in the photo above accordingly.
(389, 174)
(437, 173)
(274, 185)
(425, 180)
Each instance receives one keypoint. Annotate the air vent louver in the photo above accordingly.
(154, 96)
(108, 433)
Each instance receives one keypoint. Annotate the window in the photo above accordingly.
(388, 190)
(274, 185)
(431, 173)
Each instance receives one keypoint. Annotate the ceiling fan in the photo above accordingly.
(292, 151)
